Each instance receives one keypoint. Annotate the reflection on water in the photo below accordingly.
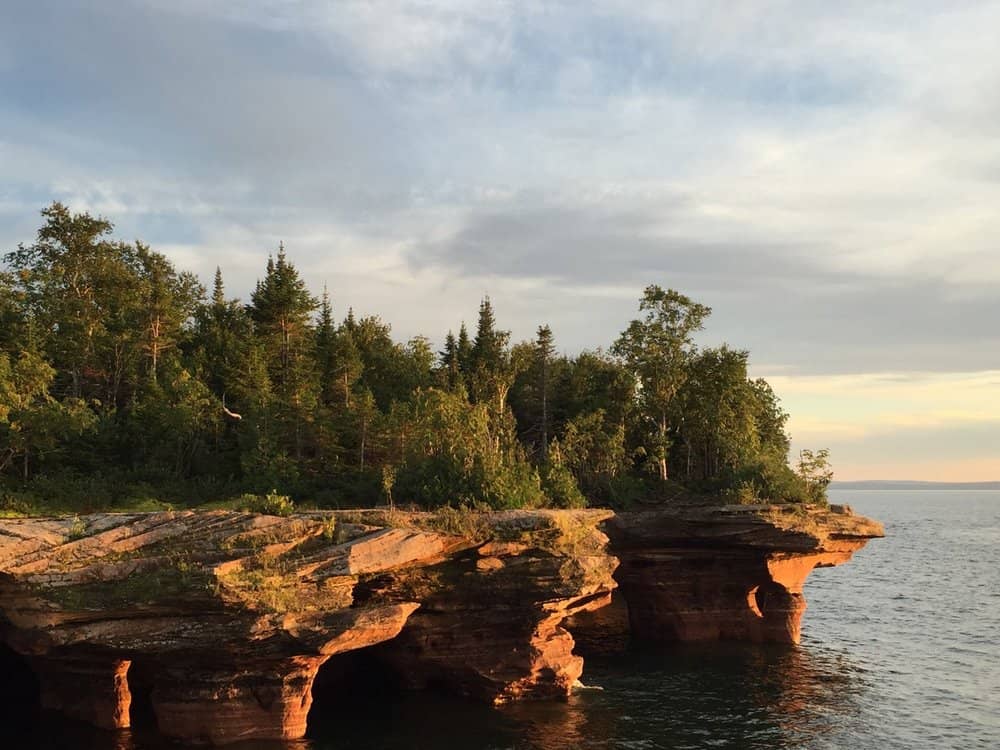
(691, 696)
(685, 697)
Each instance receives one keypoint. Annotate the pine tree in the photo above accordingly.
(449, 362)
(326, 350)
(544, 350)
(464, 350)
(281, 308)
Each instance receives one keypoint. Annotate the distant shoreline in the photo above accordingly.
(890, 484)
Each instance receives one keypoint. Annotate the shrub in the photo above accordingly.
(271, 504)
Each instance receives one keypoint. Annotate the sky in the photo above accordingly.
(825, 176)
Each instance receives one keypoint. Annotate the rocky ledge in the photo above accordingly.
(226, 617)
(718, 573)
(229, 616)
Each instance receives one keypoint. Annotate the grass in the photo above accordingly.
(156, 586)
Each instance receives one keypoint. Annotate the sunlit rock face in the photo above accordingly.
(225, 618)
(231, 615)
(710, 573)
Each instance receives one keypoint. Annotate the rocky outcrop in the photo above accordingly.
(709, 573)
(230, 615)
(226, 618)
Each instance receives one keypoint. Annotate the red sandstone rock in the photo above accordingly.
(231, 615)
(709, 573)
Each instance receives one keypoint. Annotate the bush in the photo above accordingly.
(271, 504)
(560, 487)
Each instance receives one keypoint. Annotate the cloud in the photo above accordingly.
(825, 176)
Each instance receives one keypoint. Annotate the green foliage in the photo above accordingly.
(455, 452)
(122, 386)
(77, 529)
(815, 472)
(270, 504)
(657, 350)
(560, 487)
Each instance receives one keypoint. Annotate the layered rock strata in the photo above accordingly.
(231, 615)
(710, 573)
(227, 617)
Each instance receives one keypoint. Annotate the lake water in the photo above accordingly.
(900, 649)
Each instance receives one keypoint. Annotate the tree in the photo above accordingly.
(450, 457)
(32, 422)
(14, 332)
(167, 300)
(79, 289)
(594, 450)
(326, 350)
(544, 349)
(448, 362)
(221, 341)
(280, 307)
(492, 368)
(814, 470)
(715, 414)
(464, 350)
(656, 349)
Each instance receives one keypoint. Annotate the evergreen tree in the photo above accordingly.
(464, 349)
(280, 308)
(221, 340)
(544, 349)
(448, 362)
(326, 351)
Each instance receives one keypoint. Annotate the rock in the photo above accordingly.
(227, 617)
(494, 629)
(231, 615)
(709, 573)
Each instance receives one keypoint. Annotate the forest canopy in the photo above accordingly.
(124, 383)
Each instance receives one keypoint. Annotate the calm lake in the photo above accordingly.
(900, 649)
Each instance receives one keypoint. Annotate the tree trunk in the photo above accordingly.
(545, 412)
(364, 435)
(663, 446)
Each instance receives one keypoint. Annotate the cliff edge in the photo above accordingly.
(227, 617)
(231, 615)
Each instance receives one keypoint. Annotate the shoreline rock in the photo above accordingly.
(230, 616)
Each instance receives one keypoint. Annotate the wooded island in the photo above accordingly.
(125, 384)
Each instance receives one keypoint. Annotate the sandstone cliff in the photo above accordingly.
(227, 617)
(230, 615)
(710, 572)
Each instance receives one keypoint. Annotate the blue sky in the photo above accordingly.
(826, 176)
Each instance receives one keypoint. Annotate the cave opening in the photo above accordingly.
(140, 685)
(764, 597)
(369, 698)
(19, 689)
(354, 685)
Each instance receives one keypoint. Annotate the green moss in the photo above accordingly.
(181, 580)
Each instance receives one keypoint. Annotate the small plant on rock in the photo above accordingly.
(271, 504)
